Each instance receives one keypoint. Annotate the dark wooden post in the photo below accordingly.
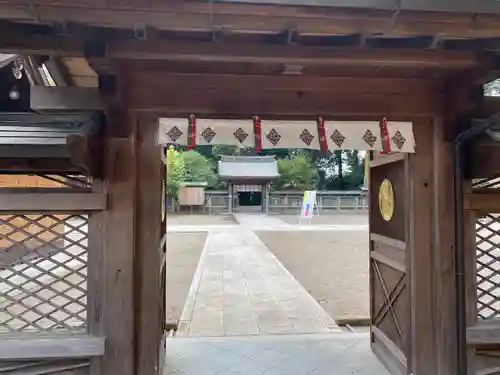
(149, 259)
(420, 221)
(111, 260)
(444, 250)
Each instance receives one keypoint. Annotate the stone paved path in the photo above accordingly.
(318, 354)
(240, 288)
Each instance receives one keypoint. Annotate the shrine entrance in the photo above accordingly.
(83, 89)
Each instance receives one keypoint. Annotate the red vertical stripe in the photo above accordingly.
(386, 142)
(258, 133)
(322, 135)
(192, 120)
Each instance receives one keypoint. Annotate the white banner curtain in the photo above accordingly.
(353, 135)
(401, 136)
(290, 134)
(238, 133)
(173, 131)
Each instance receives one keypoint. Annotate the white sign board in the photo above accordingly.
(308, 204)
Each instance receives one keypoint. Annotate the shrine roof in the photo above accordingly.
(248, 167)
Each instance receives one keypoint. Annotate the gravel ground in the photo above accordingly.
(330, 219)
(195, 219)
(332, 266)
(183, 254)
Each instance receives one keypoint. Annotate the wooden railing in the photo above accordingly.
(284, 202)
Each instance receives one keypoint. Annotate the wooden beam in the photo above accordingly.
(482, 202)
(393, 263)
(387, 159)
(155, 79)
(201, 16)
(50, 347)
(484, 334)
(272, 104)
(53, 202)
(43, 98)
(401, 245)
(21, 41)
(458, 6)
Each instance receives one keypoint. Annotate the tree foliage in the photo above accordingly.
(296, 173)
(198, 168)
(175, 172)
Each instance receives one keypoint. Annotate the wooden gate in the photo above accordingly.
(388, 258)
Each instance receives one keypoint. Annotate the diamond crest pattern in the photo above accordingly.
(208, 134)
(369, 138)
(399, 140)
(274, 137)
(306, 137)
(174, 134)
(240, 135)
(337, 138)
(43, 273)
(488, 266)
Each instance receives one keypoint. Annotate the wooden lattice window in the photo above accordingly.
(488, 266)
(43, 272)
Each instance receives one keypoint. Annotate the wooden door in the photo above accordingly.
(389, 291)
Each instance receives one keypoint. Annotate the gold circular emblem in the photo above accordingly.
(386, 200)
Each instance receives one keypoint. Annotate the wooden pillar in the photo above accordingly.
(149, 258)
(111, 260)
(444, 250)
(430, 233)
(419, 233)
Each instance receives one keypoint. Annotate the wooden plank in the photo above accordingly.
(155, 79)
(95, 275)
(395, 352)
(18, 42)
(458, 6)
(56, 346)
(201, 16)
(385, 357)
(52, 202)
(118, 258)
(393, 263)
(470, 254)
(277, 104)
(482, 202)
(149, 329)
(401, 245)
(43, 98)
(444, 251)
(419, 176)
(387, 159)
(484, 334)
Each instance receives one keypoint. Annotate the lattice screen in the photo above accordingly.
(43, 272)
(488, 266)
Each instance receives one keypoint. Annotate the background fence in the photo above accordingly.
(285, 202)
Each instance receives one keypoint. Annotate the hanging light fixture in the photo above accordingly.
(18, 64)
(14, 93)
(18, 74)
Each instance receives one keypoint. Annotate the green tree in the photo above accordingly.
(198, 168)
(355, 166)
(296, 173)
(175, 172)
